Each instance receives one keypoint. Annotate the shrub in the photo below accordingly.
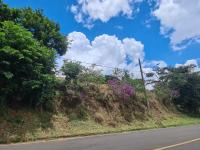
(82, 112)
(163, 94)
(92, 78)
(122, 90)
(91, 75)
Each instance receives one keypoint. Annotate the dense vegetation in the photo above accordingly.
(181, 87)
(28, 45)
(26, 66)
(44, 30)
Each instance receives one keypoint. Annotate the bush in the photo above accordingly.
(92, 78)
(163, 94)
(123, 90)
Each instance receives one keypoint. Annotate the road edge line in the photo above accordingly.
(178, 144)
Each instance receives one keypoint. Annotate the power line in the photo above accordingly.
(100, 65)
(111, 67)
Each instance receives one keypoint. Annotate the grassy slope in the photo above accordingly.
(105, 114)
(29, 126)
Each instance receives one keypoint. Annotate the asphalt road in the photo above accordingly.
(179, 138)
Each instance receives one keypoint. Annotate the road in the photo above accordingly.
(179, 138)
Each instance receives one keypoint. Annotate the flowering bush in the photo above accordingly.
(175, 93)
(123, 90)
(128, 89)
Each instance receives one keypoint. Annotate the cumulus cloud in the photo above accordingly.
(87, 11)
(179, 21)
(104, 49)
(190, 62)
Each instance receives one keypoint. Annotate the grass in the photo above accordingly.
(90, 127)
(31, 126)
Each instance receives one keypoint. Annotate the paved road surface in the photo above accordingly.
(180, 138)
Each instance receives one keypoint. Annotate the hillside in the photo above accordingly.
(97, 111)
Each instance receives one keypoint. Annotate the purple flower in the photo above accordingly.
(113, 82)
(128, 89)
(123, 90)
(82, 95)
(175, 93)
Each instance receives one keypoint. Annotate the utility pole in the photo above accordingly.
(145, 93)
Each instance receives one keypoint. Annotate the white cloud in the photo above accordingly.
(133, 49)
(190, 62)
(179, 21)
(87, 11)
(150, 67)
(105, 49)
(155, 63)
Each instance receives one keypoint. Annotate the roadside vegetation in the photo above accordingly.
(37, 104)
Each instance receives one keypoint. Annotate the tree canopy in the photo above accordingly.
(71, 70)
(43, 29)
(183, 86)
(29, 42)
(25, 67)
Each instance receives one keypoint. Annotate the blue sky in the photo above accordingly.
(141, 21)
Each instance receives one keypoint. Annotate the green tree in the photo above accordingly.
(26, 75)
(6, 12)
(71, 70)
(184, 87)
(44, 30)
